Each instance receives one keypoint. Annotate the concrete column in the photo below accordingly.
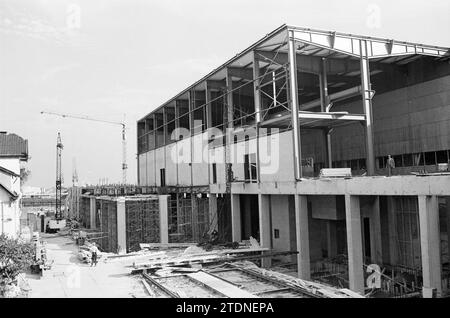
(121, 226)
(235, 218)
(430, 245)
(265, 228)
(213, 218)
(354, 243)
(164, 218)
(302, 226)
(331, 238)
(375, 232)
(92, 212)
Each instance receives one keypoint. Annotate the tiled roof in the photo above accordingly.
(12, 145)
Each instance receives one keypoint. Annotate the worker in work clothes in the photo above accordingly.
(94, 252)
(390, 165)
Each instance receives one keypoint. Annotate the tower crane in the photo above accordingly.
(56, 224)
(124, 140)
(59, 148)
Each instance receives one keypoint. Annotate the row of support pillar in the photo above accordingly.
(429, 237)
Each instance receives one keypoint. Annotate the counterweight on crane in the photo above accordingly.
(124, 139)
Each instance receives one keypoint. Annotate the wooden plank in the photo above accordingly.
(220, 285)
(148, 288)
(165, 245)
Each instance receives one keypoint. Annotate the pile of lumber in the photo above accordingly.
(194, 255)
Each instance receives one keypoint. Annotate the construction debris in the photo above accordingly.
(195, 272)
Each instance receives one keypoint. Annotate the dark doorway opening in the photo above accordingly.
(367, 250)
(249, 216)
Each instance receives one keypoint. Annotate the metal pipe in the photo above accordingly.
(324, 106)
(347, 93)
(366, 94)
(257, 100)
(294, 106)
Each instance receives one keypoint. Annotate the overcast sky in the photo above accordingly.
(107, 59)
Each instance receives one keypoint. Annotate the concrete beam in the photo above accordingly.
(396, 185)
(265, 228)
(121, 226)
(430, 245)
(354, 244)
(302, 226)
(163, 218)
(235, 218)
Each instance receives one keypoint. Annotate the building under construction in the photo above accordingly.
(289, 142)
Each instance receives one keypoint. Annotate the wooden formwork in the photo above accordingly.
(188, 217)
(201, 218)
(85, 208)
(108, 224)
(142, 222)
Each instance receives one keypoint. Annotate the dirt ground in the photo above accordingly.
(69, 278)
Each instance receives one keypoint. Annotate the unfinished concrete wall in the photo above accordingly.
(143, 167)
(171, 166)
(151, 166)
(160, 164)
(108, 224)
(85, 206)
(281, 229)
(407, 120)
(200, 162)
(184, 167)
(216, 156)
(277, 160)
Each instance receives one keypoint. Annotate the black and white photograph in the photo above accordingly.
(212, 156)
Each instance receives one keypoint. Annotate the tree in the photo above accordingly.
(15, 257)
(24, 175)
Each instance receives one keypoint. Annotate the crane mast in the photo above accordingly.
(124, 139)
(59, 148)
